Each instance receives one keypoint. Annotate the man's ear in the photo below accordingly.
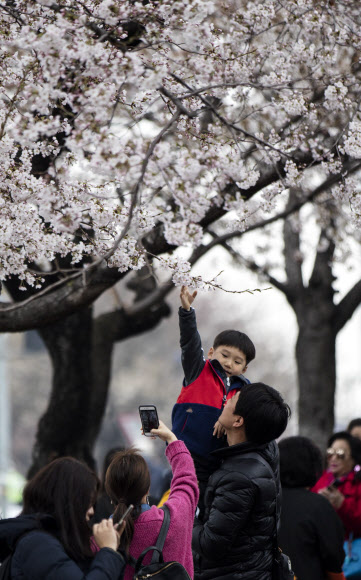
(210, 352)
(239, 422)
(245, 368)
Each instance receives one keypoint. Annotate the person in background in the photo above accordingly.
(311, 533)
(128, 482)
(354, 428)
(340, 483)
(103, 507)
(51, 538)
(207, 385)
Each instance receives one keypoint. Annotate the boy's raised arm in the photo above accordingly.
(190, 341)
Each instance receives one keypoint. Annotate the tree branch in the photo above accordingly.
(53, 306)
(322, 270)
(291, 238)
(349, 169)
(253, 266)
(345, 309)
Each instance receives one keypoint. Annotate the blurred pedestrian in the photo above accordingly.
(311, 533)
(354, 428)
(51, 537)
(340, 484)
(128, 482)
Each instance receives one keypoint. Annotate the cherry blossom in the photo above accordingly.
(118, 119)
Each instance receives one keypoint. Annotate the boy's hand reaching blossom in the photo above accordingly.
(187, 298)
(218, 430)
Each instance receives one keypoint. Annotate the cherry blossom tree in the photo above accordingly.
(304, 268)
(128, 129)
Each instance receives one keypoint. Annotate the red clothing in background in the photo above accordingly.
(350, 511)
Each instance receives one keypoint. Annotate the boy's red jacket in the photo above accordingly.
(198, 407)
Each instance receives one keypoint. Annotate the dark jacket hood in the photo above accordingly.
(13, 528)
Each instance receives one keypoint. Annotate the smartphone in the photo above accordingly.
(124, 516)
(334, 485)
(149, 418)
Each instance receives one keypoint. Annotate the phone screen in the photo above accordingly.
(149, 418)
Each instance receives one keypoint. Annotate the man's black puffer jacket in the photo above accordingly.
(236, 537)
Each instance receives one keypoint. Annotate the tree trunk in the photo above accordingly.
(316, 368)
(63, 429)
(316, 347)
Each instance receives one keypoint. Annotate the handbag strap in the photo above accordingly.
(162, 534)
(260, 459)
(158, 547)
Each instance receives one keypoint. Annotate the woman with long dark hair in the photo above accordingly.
(51, 538)
(128, 481)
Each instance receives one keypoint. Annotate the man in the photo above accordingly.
(235, 538)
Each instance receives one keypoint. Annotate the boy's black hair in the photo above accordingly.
(354, 423)
(300, 462)
(238, 340)
(264, 412)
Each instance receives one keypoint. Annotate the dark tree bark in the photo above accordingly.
(62, 430)
(316, 345)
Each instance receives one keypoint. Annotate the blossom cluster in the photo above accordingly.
(118, 119)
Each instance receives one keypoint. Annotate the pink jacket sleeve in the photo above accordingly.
(184, 491)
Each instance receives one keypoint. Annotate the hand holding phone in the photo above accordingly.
(164, 433)
(149, 418)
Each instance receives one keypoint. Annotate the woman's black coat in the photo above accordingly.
(37, 554)
(236, 537)
(311, 534)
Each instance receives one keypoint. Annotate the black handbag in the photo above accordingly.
(281, 566)
(157, 568)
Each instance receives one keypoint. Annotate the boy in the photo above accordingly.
(207, 385)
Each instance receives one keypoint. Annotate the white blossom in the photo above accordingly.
(96, 115)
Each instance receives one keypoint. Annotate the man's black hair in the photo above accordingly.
(238, 340)
(354, 423)
(264, 412)
(300, 462)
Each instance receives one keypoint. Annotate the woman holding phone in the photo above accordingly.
(127, 483)
(340, 484)
(51, 538)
